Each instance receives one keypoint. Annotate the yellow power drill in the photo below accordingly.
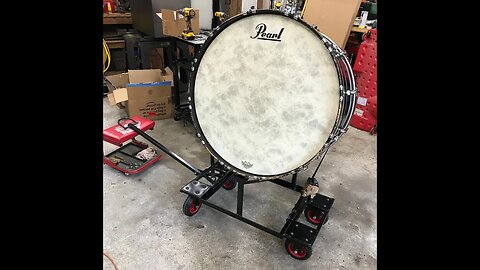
(220, 15)
(188, 14)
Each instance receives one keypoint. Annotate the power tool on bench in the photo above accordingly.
(220, 15)
(188, 14)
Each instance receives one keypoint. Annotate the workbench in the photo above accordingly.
(117, 18)
(114, 25)
(357, 29)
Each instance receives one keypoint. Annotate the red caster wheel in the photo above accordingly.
(229, 184)
(298, 251)
(315, 215)
(191, 206)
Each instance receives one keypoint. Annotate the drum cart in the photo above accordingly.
(299, 238)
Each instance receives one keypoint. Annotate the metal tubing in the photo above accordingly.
(294, 181)
(164, 149)
(254, 224)
(240, 187)
(286, 184)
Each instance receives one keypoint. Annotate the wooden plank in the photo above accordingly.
(117, 18)
(359, 30)
(117, 15)
(115, 44)
(121, 20)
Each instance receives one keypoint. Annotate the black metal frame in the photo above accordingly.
(183, 65)
(292, 229)
(217, 174)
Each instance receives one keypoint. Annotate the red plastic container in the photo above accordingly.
(109, 6)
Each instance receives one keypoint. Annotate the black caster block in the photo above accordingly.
(297, 251)
(191, 206)
(229, 184)
(176, 117)
(315, 215)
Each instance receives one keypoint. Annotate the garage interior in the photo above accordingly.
(159, 47)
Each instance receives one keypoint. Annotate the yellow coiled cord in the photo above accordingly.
(106, 56)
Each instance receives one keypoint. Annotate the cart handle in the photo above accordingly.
(126, 118)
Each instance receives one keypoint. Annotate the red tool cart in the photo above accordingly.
(365, 69)
(134, 156)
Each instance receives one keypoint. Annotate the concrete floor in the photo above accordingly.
(144, 227)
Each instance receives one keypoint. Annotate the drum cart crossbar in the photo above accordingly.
(299, 237)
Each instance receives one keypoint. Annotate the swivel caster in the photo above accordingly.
(297, 251)
(176, 117)
(191, 206)
(315, 215)
(229, 184)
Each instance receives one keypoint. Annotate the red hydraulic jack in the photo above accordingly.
(125, 158)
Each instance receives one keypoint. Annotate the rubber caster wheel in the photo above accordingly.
(315, 215)
(229, 184)
(191, 206)
(298, 251)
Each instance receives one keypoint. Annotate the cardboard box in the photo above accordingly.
(116, 81)
(174, 23)
(235, 7)
(156, 58)
(333, 18)
(146, 93)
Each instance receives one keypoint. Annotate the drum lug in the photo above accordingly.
(348, 92)
(334, 137)
(199, 136)
(339, 54)
(351, 92)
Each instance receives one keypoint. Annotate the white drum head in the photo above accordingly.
(265, 105)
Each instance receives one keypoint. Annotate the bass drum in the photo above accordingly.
(270, 94)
